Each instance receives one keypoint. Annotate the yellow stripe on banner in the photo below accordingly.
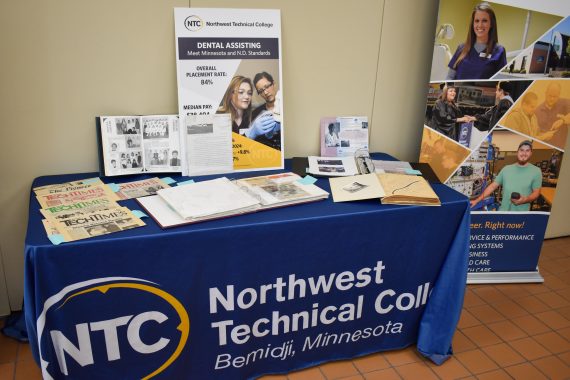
(250, 154)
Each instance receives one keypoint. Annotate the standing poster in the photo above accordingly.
(496, 125)
(229, 63)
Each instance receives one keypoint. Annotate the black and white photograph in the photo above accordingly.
(155, 128)
(329, 162)
(127, 126)
(198, 129)
(354, 187)
(284, 191)
(331, 169)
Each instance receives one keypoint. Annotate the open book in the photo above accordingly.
(391, 188)
(221, 197)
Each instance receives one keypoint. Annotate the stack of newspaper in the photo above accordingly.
(82, 209)
(222, 197)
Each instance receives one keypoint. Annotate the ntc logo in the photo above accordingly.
(162, 329)
(193, 23)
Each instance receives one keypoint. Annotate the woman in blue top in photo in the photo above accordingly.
(481, 56)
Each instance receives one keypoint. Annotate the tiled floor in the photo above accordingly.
(515, 331)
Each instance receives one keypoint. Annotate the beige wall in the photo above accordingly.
(67, 61)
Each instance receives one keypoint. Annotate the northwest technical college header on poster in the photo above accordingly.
(496, 125)
(228, 63)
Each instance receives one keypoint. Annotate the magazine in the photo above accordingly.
(137, 144)
(343, 136)
(82, 225)
(70, 197)
(142, 188)
(55, 187)
(63, 211)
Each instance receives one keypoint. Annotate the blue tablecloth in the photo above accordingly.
(268, 292)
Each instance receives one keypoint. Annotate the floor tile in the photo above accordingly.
(525, 371)
(565, 357)
(553, 320)
(498, 374)
(512, 290)
(481, 336)
(486, 314)
(503, 354)
(371, 363)
(565, 293)
(532, 304)
(565, 312)
(554, 300)
(534, 289)
(7, 370)
(307, 374)
(506, 330)
(461, 343)
(553, 342)
(415, 371)
(553, 367)
(338, 369)
(467, 320)
(530, 325)
(472, 299)
(451, 369)
(565, 333)
(401, 357)
(8, 349)
(24, 352)
(384, 374)
(490, 294)
(510, 309)
(354, 377)
(529, 348)
(476, 361)
(26, 370)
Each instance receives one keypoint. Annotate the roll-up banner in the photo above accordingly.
(496, 124)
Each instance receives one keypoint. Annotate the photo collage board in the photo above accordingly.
(496, 124)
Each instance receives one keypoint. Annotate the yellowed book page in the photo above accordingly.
(410, 189)
(354, 188)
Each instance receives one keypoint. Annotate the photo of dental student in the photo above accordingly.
(470, 29)
(481, 55)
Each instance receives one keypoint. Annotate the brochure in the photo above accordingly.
(137, 144)
(343, 136)
(229, 62)
(143, 188)
(207, 145)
